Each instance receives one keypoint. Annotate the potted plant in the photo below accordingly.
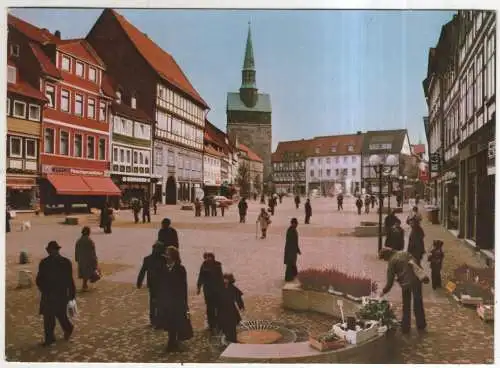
(326, 341)
(379, 310)
(356, 332)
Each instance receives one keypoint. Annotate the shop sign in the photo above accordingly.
(49, 169)
(449, 176)
(435, 161)
(21, 183)
(491, 150)
(135, 179)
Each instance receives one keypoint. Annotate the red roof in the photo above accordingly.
(40, 35)
(251, 154)
(418, 149)
(322, 146)
(24, 89)
(80, 49)
(108, 86)
(47, 66)
(162, 62)
(290, 147)
(212, 151)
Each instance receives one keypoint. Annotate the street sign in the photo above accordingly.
(435, 161)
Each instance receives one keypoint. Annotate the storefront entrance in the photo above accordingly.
(170, 191)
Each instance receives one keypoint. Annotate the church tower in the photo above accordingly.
(249, 112)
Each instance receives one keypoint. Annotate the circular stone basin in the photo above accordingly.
(259, 336)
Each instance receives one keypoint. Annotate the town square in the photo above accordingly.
(252, 207)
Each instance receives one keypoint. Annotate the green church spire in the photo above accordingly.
(248, 72)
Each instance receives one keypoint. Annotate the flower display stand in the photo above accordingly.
(359, 335)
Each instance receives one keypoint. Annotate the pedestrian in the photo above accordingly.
(281, 197)
(275, 199)
(400, 268)
(395, 238)
(359, 205)
(389, 221)
(173, 311)
(222, 208)
(291, 251)
(399, 199)
(436, 261)
(211, 279)
(264, 221)
(213, 206)
(168, 235)
(151, 268)
(146, 210)
(136, 208)
(57, 288)
(8, 218)
(367, 204)
(86, 257)
(229, 316)
(254, 196)
(271, 204)
(242, 209)
(373, 200)
(155, 203)
(262, 199)
(414, 215)
(206, 205)
(417, 199)
(106, 218)
(197, 208)
(416, 245)
(308, 210)
(297, 201)
(340, 202)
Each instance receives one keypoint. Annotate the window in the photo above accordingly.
(128, 157)
(135, 158)
(11, 74)
(8, 106)
(490, 66)
(64, 100)
(115, 154)
(90, 147)
(328, 172)
(77, 150)
(48, 143)
(337, 160)
(470, 82)
(30, 148)
(345, 159)
(316, 150)
(64, 143)
(102, 111)
(333, 149)
(79, 69)
(141, 158)
(102, 149)
(14, 50)
(92, 74)
(16, 145)
(353, 159)
(336, 172)
(311, 173)
(350, 148)
(119, 96)
(50, 94)
(34, 112)
(78, 104)
(122, 155)
(91, 108)
(133, 102)
(19, 109)
(311, 161)
(353, 172)
(478, 94)
(66, 63)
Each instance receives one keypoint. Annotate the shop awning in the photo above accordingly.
(69, 184)
(102, 186)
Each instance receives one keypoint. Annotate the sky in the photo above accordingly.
(328, 71)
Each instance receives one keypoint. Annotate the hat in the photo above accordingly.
(166, 221)
(53, 245)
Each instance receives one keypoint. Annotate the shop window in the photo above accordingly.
(79, 69)
(48, 143)
(78, 145)
(90, 147)
(16, 147)
(34, 112)
(133, 102)
(20, 109)
(11, 74)
(30, 148)
(91, 108)
(92, 74)
(102, 149)
(64, 100)
(64, 143)
(66, 63)
(78, 104)
(51, 95)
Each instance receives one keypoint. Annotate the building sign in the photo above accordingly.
(380, 146)
(135, 179)
(491, 158)
(435, 161)
(49, 169)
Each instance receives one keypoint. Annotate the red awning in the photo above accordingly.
(102, 186)
(69, 184)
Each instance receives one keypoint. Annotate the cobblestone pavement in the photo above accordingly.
(113, 317)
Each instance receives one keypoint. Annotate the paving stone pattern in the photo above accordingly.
(112, 323)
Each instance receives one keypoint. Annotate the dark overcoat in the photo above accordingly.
(416, 245)
(308, 209)
(86, 257)
(291, 246)
(242, 207)
(151, 269)
(8, 217)
(229, 315)
(172, 297)
(55, 282)
(395, 239)
(169, 237)
(210, 278)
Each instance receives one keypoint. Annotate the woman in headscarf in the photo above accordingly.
(86, 257)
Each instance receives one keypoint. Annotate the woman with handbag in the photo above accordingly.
(173, 311)
(86, 257)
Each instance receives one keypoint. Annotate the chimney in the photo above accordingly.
(358, 132)
(57, 34)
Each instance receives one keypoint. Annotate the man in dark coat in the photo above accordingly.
(400, 268)
(242, 209)
(297, 201)
(197, 208)
(151, 267)
(340, 202)
(206, 205)
(359, 204)
(136, 208)
(291, 250)
(367, 204)
(308, 210)
(262, 199)
(416, 245)
(155, 203)
(85, 257)
(395, 237)
(168, 235)
(213, 206)
(146, 210)
(106, 218)
(389, 221)
(55, 282)
(211, 279)
(271, 204)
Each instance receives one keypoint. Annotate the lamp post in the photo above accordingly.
(402, 181)
(390, 176)
(381, 169)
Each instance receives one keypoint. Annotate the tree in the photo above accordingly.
(257, 184)
(243, 178)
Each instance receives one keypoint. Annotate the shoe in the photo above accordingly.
(67, 334)
(173, 349)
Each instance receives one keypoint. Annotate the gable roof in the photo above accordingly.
(340, 142)
(287, 147)
(215, 135)
(161, 61)
(395, 138)
(39, 35)
(252, 156)
(418, 149)
(47, 66)
(81, 49)
(234, 103)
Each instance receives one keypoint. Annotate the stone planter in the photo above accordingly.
(295, 298)
(325, 345)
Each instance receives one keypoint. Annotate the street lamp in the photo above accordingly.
(381, 168)
(402, 181)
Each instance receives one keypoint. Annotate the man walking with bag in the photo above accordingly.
(403, 267)
(56, 284)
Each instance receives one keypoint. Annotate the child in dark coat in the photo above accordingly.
(229, 316)
(436, 261)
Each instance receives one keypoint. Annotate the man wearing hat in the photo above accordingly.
(151, 267)
(56, 284)
(168, 235)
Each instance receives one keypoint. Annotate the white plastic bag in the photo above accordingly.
(72, 309)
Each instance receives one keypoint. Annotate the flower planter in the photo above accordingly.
(485, 312)
(317, 344)
(358, 336)
(382, 330)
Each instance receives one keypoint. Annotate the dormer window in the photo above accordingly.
(11, 74)
(14, 50)
(66, 63)
(316, 150)
(118, 96)
(333, 149)
(92, 74)
(79, 69)
(133, 102)
(350, 148)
